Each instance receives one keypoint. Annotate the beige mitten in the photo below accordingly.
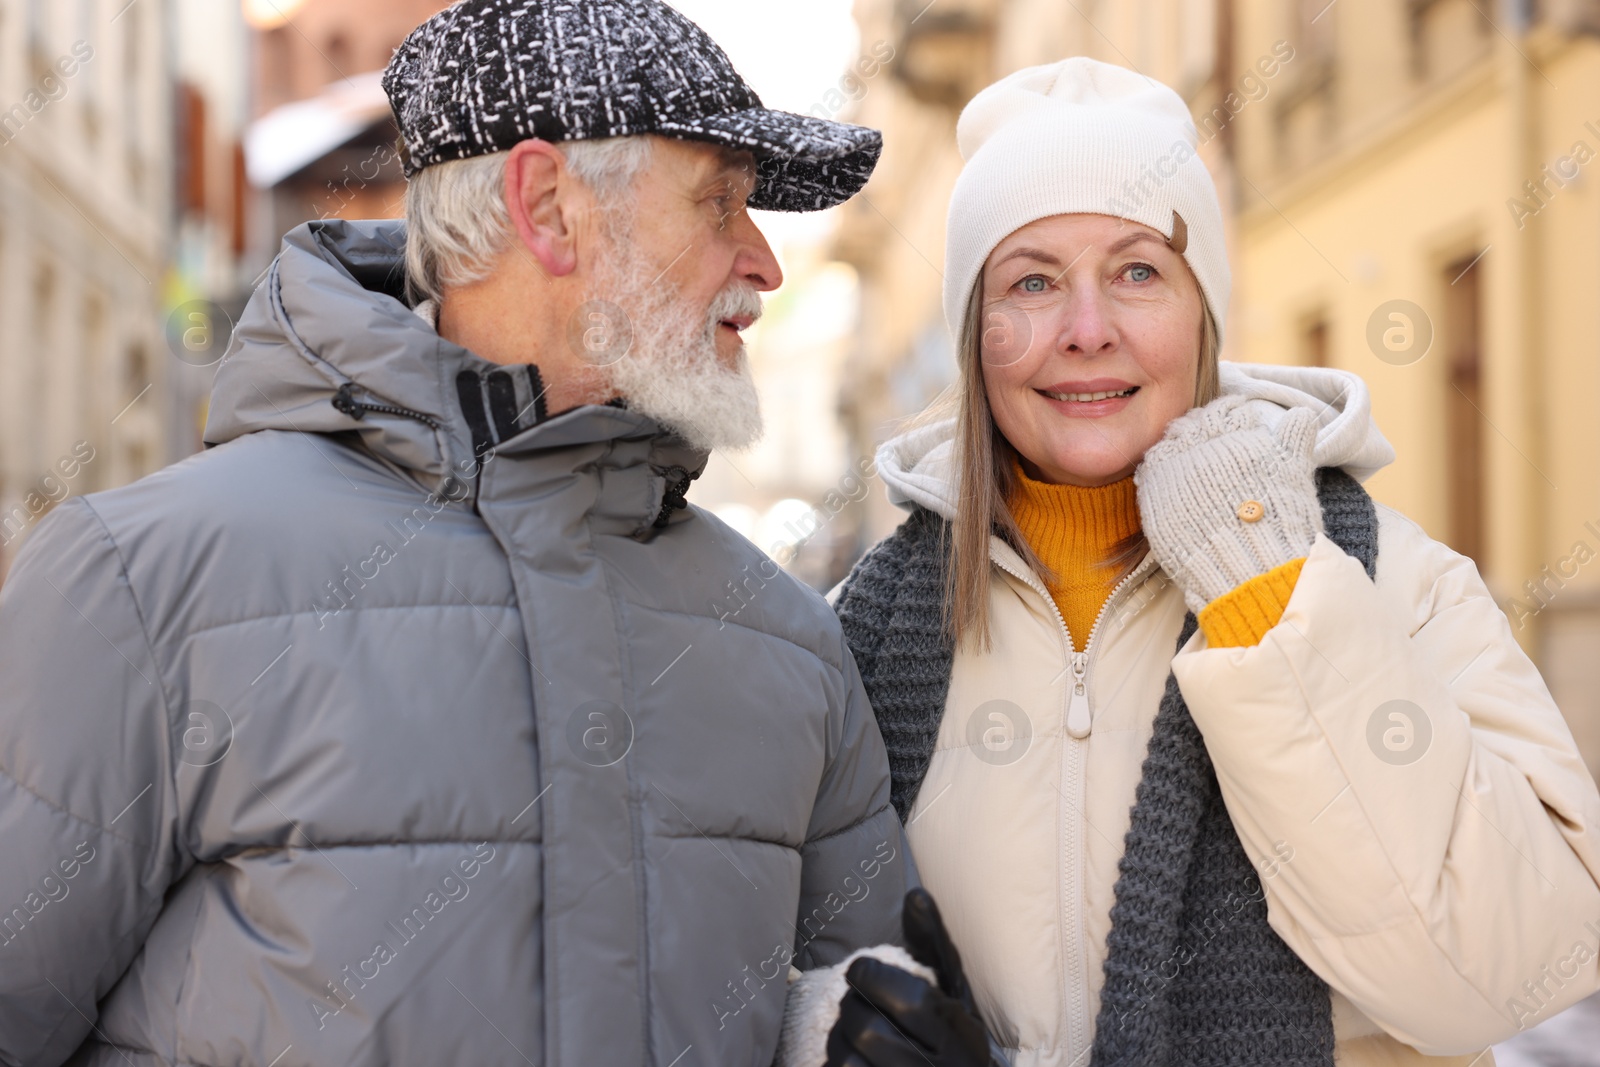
(1224, 496)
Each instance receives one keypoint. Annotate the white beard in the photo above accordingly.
(670, 371)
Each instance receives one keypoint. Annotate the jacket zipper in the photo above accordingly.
(345, 402)
(1078, 717)
(1078, 714)
(1078, 727)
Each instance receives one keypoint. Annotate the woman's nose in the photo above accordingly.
(1086, 324)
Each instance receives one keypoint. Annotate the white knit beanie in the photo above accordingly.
(1081, 136)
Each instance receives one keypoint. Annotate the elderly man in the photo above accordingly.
(402, 726)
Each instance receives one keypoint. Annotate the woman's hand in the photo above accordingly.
(1225, 496)
(891, 1018)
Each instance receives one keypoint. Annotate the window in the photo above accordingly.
(1305, 111)
(190, 164)
(1461, 331)
(277, 67)
(338, 55)
(132, 110)
(95, 358)
(33, 24)
(238, 222)
(1446, 35)
(137, 370)
(1314, 29)
(1314, 340)
(88, 88)
(41, 347)
(44, 298)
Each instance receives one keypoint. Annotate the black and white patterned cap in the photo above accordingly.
(483, 75)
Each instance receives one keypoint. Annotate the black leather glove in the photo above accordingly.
(892, 1018)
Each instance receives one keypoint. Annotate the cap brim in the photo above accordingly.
(803, 163)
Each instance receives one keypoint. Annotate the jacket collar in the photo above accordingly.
(327, 344)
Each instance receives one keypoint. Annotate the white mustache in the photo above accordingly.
(738, 300)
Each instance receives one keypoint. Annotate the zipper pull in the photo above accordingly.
(345, 402)
(1078, 708)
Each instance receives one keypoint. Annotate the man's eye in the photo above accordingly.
(726, 205)
(1140, 272)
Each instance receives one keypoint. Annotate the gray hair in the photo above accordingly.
(456, 218)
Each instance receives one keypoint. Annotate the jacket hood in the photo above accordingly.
(917, 466)
(331, 315)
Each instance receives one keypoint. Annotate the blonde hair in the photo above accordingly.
(985, 463)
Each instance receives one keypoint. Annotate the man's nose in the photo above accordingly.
(756, 263)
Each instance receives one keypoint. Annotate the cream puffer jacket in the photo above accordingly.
(1435, 862)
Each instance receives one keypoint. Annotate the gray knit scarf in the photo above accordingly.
(1194, 976)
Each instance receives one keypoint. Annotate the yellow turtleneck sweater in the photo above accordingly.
(1073, 529)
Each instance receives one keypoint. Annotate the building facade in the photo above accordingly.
(1415, 206)
(131, 234)
(86, 178)
(211, 274)
(323, 141)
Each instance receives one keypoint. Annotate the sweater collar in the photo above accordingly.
(1085, 522)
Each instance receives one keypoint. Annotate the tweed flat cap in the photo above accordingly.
(483, 75)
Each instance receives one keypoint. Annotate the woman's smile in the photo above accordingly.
(1089, 400)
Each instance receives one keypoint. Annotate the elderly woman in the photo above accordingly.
(1207, 758)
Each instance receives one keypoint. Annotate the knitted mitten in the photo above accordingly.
(813, 1004)
(1225, 497)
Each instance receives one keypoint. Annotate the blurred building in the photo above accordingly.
(1410, 194)
(210, 275)
(86, 210)
(122, 224)
(323, 143)
(1416, 204)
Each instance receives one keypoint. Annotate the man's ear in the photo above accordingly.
(536, 189)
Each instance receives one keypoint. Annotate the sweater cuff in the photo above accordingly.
(1242, 617)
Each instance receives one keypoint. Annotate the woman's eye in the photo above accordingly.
(1140, 272)
(1034, 283)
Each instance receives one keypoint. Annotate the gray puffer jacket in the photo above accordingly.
(337, 744)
